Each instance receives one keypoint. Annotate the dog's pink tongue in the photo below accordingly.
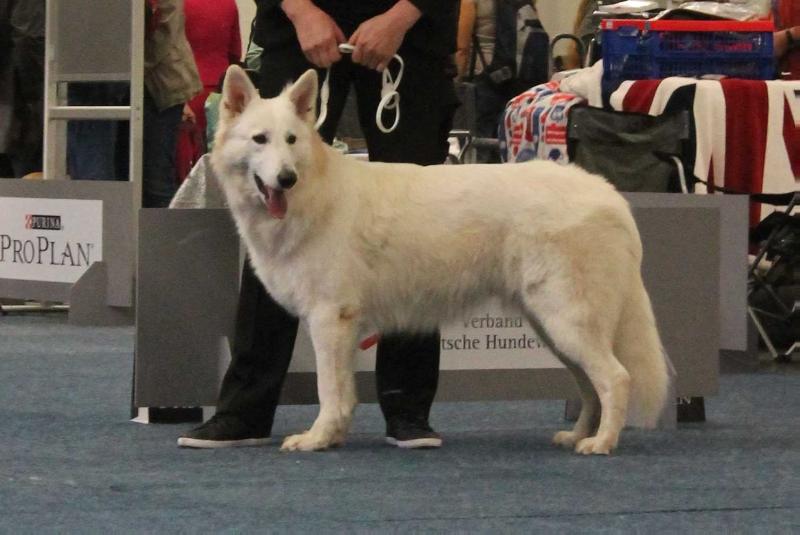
(276, 203)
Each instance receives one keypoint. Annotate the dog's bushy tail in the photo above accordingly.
(638, 347)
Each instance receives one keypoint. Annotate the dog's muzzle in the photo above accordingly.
(275, 199)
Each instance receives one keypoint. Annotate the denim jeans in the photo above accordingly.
(159, 138)
(99, 150)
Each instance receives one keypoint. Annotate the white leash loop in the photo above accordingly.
(390, 98)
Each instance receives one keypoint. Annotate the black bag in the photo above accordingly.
(510, 73)
(633, 151)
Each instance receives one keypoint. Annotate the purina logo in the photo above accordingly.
(52, 240)
(43, 222)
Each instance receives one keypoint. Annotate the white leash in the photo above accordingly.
(390, 98)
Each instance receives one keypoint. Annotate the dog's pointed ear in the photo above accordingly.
(237, 92)
(303, 94)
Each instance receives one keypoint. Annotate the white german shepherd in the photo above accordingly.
(348, 245)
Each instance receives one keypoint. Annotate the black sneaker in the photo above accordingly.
(411, 433)
(223, 431)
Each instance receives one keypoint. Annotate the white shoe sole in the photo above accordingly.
(415, 443)
(185, 442)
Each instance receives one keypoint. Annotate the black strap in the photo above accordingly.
(477, 51)
(775, 199)
(250, 40)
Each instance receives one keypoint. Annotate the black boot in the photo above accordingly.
(407, 373)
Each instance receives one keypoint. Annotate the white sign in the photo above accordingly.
(489, 337)
(493, 334)
(51, 240)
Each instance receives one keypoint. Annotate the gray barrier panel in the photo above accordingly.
(188, 285)
(682, 267)
(106, 55)
(734, 217)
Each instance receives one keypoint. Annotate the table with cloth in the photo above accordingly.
(747, 132)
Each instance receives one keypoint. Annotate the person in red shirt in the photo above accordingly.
(212, 29)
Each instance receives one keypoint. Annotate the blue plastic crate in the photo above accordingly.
(642, 50)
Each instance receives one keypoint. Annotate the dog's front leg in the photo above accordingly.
(333, 334)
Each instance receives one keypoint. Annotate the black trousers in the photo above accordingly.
(407, 367)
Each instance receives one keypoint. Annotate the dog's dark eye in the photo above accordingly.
(291, 138)
(261, 139)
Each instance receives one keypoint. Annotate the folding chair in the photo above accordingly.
(465, 128)
(773, 297)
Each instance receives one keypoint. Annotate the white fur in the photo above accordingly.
(399, 247)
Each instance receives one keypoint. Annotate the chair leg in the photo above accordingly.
(762, 332)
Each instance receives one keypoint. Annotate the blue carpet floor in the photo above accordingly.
(71, 462)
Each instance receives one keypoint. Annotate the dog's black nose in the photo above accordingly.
(287, 178)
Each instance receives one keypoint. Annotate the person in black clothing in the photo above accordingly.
(297, 35)
(21, 86)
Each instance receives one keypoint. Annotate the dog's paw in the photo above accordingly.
(567, 439)
(307, 441)
(594, 446)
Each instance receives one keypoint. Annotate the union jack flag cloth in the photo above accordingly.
(747, 132)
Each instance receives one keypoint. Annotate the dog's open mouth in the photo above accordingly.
(275, 199)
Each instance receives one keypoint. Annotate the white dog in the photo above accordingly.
(348, 245)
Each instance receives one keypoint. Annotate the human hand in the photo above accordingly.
(377, 39)
(318, 34)
(188, 114)
(784, 40)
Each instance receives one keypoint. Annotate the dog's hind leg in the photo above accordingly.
(333, 334)
(580, 336)
(594, 365)
(612, 383)
(588, 419)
